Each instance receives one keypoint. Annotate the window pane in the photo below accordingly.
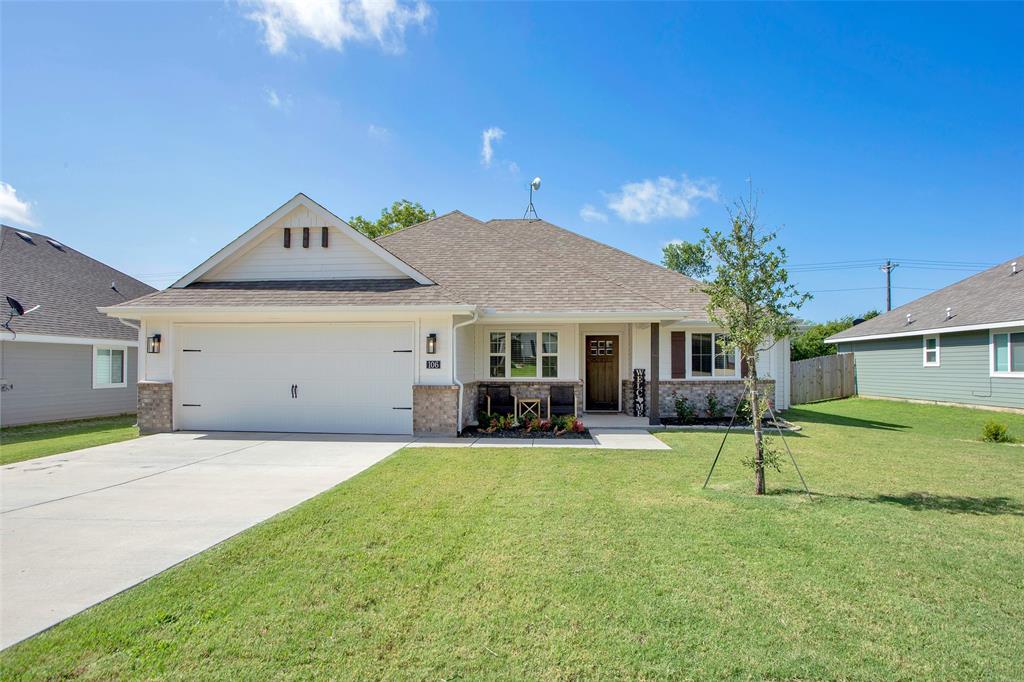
(1001, 354)
(497, 365)
(497, 342)
(1017, 352)
(524, 354)
(102, 366)
(725, 360)
(700, 355)
(930, 357)
(550, 342)
(117, 366)
(930, 343)
(549, 365)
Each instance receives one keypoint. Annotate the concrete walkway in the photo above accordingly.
(80, 527)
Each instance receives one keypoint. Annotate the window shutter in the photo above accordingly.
(678, 355)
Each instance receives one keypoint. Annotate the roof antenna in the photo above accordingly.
(16, 310)
(531, 212)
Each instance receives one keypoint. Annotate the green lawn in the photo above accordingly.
(19, 443)
(574, 564)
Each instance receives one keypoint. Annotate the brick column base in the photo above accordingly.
(435, 410)
(155, 407)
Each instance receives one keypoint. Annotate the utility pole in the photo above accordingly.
(887, 269)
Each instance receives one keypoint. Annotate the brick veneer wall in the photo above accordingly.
(434, 410)
(521, 389)
(155, 407)
(696, 392)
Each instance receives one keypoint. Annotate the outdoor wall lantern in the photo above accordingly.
(431, 344)
(153, 344)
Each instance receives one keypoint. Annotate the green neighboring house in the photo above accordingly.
(963, 344)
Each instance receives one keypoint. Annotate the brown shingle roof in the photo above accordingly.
(995, 295)
(67, 284)
(534, 266)
(287, 293)
(509, 266)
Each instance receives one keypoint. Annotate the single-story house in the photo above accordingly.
(304, 324)
(961, 345)
(65, 359)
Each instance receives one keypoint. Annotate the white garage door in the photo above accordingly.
(331, 378)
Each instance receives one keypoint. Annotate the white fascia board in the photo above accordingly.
(930, 332)
(169, 311)
(329, 219)
(76, 340)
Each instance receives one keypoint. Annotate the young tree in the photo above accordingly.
(688, 258)
(401, 214)
(752, 300)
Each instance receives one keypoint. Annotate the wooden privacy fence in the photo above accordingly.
(821, 378)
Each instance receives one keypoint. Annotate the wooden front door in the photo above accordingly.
(602, 371)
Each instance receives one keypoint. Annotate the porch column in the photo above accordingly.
(653, 402)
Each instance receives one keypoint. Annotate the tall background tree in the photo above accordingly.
(401, 214)
(810, 343)
(688, 258)
(753, 302)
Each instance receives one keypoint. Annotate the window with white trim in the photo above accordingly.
(1008, 354)
(522, 355)
(707, 359)
(931, 351)
(109, 366)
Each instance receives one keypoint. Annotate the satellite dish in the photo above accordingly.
(16, 308)
(535, 185)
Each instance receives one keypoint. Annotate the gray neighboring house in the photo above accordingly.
(963, 344)
(67, 360)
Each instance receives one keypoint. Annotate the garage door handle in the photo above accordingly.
(295, 390)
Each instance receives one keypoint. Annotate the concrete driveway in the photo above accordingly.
(80, 527)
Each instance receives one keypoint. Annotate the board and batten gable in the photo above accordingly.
(268, 259)
(894, 368)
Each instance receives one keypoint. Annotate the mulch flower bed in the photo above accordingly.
(474, 432)
(722, 422)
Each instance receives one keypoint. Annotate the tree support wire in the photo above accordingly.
(778, 428)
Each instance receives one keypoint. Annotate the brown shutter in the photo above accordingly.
(678, 355)
(305, 237)
(323, 237)
(287, 238)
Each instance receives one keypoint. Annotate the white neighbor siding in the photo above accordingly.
(267, 259)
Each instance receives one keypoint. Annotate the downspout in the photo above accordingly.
(455, 367)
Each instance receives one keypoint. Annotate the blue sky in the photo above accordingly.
(150, 134)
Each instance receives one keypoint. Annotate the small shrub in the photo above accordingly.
(994, 432)
(577, 426)
(545, 425)
(744, 415)
(714, 406)
(685, 410)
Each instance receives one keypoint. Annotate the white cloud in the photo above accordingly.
(277, 101)
(378, 132)
(647, 200)
(490, 136)
(513, 167)
(592, 215)
(13, 209)
(333, 23)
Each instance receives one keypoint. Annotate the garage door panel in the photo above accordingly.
(348, 378)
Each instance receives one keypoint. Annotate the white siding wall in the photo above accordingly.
(465, 363)
(267, 259)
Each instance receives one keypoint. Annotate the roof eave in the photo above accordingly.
(134, 312)
(924, 332)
